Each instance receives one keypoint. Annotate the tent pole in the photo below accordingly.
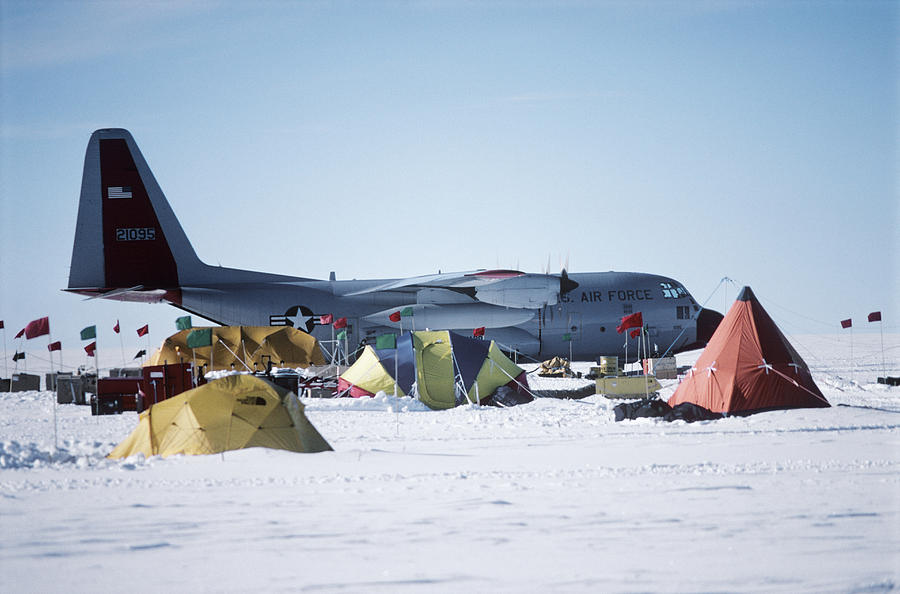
(457, 375)
(224, 344)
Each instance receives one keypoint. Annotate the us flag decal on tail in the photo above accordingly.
(118, 192)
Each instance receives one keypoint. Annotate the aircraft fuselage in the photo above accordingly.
(582, 323)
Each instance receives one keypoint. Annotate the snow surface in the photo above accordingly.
(548, 496)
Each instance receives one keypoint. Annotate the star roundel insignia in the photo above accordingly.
(297, 316)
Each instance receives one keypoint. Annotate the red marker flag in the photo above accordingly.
(20, 333)
(875, 316)
(143, 330)
(395, 317)
(326, 319)
(54, 346)
(635, 332)
(478, 331)
(635, 320)
(116, 327)
(340, 323)
(89, 349)
(39, 327)
(1, 324)
(847, 323)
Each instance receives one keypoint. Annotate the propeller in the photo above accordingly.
(565, 283)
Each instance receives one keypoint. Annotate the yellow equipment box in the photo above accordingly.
(633, 386)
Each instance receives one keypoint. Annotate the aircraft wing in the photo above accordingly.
(508, 288)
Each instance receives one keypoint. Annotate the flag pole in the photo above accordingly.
(851, 354)
(333, 347)
(346, 347)
(646, 378)
(646, 338)
(49, 342)
(121, 343)
(5, 360)
(883, 366)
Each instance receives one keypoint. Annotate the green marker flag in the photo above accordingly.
(183, 323)
(342, 335)
(386, 341)
(89, 333)
(199, 338)
(406, 312)
(567, 337)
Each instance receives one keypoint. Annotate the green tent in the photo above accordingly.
(441, 368)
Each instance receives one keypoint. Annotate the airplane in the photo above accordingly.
(129, 246)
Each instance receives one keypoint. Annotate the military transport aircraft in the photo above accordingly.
(130, 246)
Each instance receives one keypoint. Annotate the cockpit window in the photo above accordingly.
(672, 290)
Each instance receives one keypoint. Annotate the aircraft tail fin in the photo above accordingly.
(126, 236)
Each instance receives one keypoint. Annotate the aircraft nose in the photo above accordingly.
(707, 322)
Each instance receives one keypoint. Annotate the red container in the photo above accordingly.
(116, 395)
(161, 382)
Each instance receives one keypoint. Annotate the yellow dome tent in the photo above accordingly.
(231, 413)
(247, 348)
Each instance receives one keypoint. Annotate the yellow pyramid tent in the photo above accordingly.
(231, 413)
(247, 348)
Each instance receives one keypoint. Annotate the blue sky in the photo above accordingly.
(699, 140)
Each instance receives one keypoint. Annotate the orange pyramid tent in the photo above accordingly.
(749, 366)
